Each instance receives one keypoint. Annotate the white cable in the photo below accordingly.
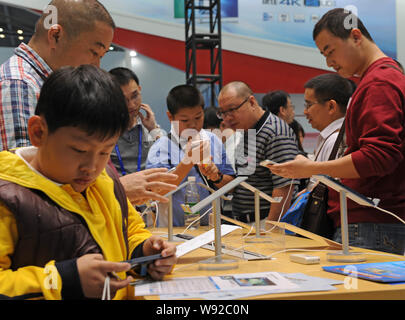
(282, 208)
(251, 229)
(195, 263)
(106, 290)
(292, 249)
(156, 215)
(157, 211)
(196, 220)
(386, 211)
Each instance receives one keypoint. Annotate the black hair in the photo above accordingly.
(124, 75)
(85, 97)
(340, 23)
(331, 86)
(210, 118)
(273, 100)
(183, 96)
(297, 128)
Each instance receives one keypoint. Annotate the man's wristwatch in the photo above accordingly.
(221, 176)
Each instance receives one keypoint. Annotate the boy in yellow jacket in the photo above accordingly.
(65, 222)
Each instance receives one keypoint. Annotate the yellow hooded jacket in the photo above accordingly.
(101, 211)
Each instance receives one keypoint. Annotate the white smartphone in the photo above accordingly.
(196, 143)
(265, 163)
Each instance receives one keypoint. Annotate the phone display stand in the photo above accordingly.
(169, 195)
(345, 255)
(276, 238)
(217, 262)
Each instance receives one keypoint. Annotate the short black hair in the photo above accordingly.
(211, 119)
(273, 100)
(340, 23)
(124, 75)
(331, 86)
(85, 97)
(184, 96)
(297, 128)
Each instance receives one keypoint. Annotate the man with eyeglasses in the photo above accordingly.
(326, 97)
(374, 162)
(265, 137)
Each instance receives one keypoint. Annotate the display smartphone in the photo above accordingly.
(266, 163)
(143, 260)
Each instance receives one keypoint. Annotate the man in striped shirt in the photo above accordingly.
(265, 137)
(82, 34)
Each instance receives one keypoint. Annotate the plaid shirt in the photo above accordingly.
(21, 79)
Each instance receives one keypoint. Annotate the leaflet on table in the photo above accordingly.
(380, 271)
(202, 239)
(268, 281)
(304, 283)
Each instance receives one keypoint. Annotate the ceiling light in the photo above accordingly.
(2, 36)
(111, 48)
(19, 31)
(1, 29)
(132, 53)
(21, 38)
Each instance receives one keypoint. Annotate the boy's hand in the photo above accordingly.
(93, 270)
(210, 170)
(149, 184)
(160, 267)
(196, 154)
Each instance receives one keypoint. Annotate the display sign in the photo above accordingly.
(286, 21)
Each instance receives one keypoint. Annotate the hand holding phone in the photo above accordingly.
(267, 163)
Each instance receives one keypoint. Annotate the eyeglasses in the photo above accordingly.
(308, 105)
(223, 114)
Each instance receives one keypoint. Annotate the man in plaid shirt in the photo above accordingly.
(82, 35)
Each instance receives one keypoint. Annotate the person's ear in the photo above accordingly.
(332, 106)
(252, 101)
(54, 34)
(37, 130)
(356, 35)
(282, 110)
(170, 116)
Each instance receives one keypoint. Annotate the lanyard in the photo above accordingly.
(117, 150)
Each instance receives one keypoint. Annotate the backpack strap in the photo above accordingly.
(323, 143)
(338, 141)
